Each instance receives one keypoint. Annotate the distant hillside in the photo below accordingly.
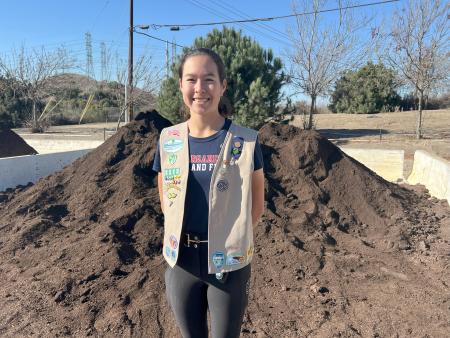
(82, 85)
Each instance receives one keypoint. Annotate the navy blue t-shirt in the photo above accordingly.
(203, 155)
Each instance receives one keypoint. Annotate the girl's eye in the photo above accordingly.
(190, 80)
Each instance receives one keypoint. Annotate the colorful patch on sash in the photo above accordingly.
(172, 158)
(172, 174)
(173, 254)
(172, 183)
(173, 132)
(168, 251)
(173, 242)
(171, 195)
(250, 251)
(237, 143)
(235, 259)
(173, 145)
(218, 259)
(222, 185)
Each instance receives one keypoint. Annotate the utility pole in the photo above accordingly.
(129, 101)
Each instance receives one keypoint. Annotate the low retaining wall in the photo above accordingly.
(433, 172)
(386, 163)
(48, 146)
(30, 168)
(429, 170)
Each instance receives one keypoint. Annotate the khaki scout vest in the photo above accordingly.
(230, 232)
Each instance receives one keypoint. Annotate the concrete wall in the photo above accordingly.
(48, 146)
(433, 172)
(30, 168)
(386, 163)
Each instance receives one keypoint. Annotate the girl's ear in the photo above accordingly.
(224, 86)
(179, 82)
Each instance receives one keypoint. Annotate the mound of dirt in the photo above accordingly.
(12, 144)
(339, 252)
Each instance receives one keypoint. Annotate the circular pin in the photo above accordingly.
(222, 185)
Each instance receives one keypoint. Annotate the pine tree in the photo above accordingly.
(371, 89)
(254, 78)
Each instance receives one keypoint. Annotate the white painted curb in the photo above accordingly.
(386, 163)
(30, 168)
(49, 146)
(433, 172)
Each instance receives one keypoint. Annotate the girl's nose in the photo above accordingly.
(199, 86)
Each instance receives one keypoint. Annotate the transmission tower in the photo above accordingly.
(103, 60)
(174, 50)
(89, 60)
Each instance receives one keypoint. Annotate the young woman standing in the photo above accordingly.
(211, 187)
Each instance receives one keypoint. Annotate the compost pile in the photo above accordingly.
(12, 144)
(339, 252)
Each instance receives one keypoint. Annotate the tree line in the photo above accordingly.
(331, 57)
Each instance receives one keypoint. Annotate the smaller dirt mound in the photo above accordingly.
(12, 144)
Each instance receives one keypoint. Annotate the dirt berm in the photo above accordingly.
(339, 252)
(12, 144)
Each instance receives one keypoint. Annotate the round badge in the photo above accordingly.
(222, 185)
(173, 242)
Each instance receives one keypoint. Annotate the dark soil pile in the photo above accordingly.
(12, 144)
(339, 252)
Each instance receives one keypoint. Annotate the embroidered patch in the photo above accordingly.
(172, 145)
(173, 242)
(222, 185)
(172, 185)
(250, 251)
(173, 132)
(167, 250)
(172, 159)
(171, 195)
(218, 259)
(173, 254)
(235, 259)
(172, 174)
(237, 144)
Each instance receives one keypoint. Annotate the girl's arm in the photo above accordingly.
(257, 195)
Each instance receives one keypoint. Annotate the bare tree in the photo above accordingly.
(417, 46)
(323, 49)
(146, 81)
(31, 70)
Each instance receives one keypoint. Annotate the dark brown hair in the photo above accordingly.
(225, 108)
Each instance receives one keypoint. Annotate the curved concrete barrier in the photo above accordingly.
(48, 146)
(433, 172)
(386, 163)
(30, 168)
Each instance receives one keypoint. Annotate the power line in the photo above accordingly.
(157, 26)
(217, 13)
(154, 37)
(243, 15)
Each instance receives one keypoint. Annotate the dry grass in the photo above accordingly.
(388, 131)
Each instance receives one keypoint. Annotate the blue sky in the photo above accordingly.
(52, 23)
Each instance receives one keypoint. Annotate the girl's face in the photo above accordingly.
(201, 86)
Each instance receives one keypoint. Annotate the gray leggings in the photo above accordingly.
(191, 291)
